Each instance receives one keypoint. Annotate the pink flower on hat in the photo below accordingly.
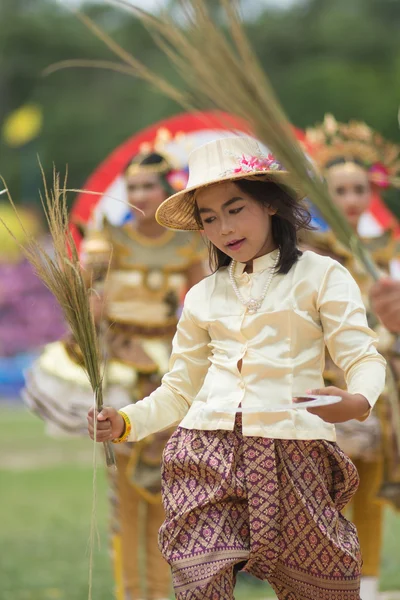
(249, 164)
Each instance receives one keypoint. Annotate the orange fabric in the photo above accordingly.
(137, 537)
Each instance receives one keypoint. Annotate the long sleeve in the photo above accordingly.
(189, 363)
(351, 343)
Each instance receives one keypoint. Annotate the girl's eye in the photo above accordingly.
(340, 191)
(209, 220)
(235, 211)
(146, 187)
(360, 189)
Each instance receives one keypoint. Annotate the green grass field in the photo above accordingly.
(46, 500)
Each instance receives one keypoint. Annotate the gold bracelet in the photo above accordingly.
(128, 428)
(365, 416)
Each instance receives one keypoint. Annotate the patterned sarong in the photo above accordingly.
(269, 507)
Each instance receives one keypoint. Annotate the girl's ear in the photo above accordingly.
(271, 210)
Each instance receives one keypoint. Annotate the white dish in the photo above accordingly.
(311, 402)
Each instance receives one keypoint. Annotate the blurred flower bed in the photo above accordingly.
(29, 318)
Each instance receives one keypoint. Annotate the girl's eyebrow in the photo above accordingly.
(225, 204)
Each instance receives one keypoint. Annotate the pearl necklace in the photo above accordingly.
(252, 305)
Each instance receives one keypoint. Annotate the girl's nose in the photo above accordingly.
(226, 227)
(138, 193)
(352, 202)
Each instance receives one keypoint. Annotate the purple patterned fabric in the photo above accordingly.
(269, 507)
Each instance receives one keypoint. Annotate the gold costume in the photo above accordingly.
(143, 291)
(373, 444)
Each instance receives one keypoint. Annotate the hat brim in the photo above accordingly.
(176, 212)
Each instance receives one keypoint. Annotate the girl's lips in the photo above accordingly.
(140, 205)
(353, 212)
(236, 245)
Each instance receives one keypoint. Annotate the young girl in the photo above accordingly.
(250, 481)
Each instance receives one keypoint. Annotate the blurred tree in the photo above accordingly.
(86, 112)
(342, 57)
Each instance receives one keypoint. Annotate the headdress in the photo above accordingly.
(355, 142)
(153, 157)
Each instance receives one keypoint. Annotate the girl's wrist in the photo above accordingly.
(363, 409)
(126, 428)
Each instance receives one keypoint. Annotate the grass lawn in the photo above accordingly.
(46, 498)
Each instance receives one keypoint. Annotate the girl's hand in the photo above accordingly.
(352, 406)
(110, 424)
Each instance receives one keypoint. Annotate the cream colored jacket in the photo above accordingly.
(282, 349)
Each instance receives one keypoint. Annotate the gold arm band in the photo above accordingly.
(128, 428)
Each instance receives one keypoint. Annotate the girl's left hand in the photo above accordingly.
(352, 406)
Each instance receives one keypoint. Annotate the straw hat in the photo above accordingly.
(225, 159)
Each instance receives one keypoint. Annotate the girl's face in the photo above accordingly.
(145, 192)
(349, 188)
(234, 222)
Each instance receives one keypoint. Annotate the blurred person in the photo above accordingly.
(353, 158)
(140, 272)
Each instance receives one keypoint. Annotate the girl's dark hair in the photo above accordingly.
(146, 159)
(341, 160)
(291, 215)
